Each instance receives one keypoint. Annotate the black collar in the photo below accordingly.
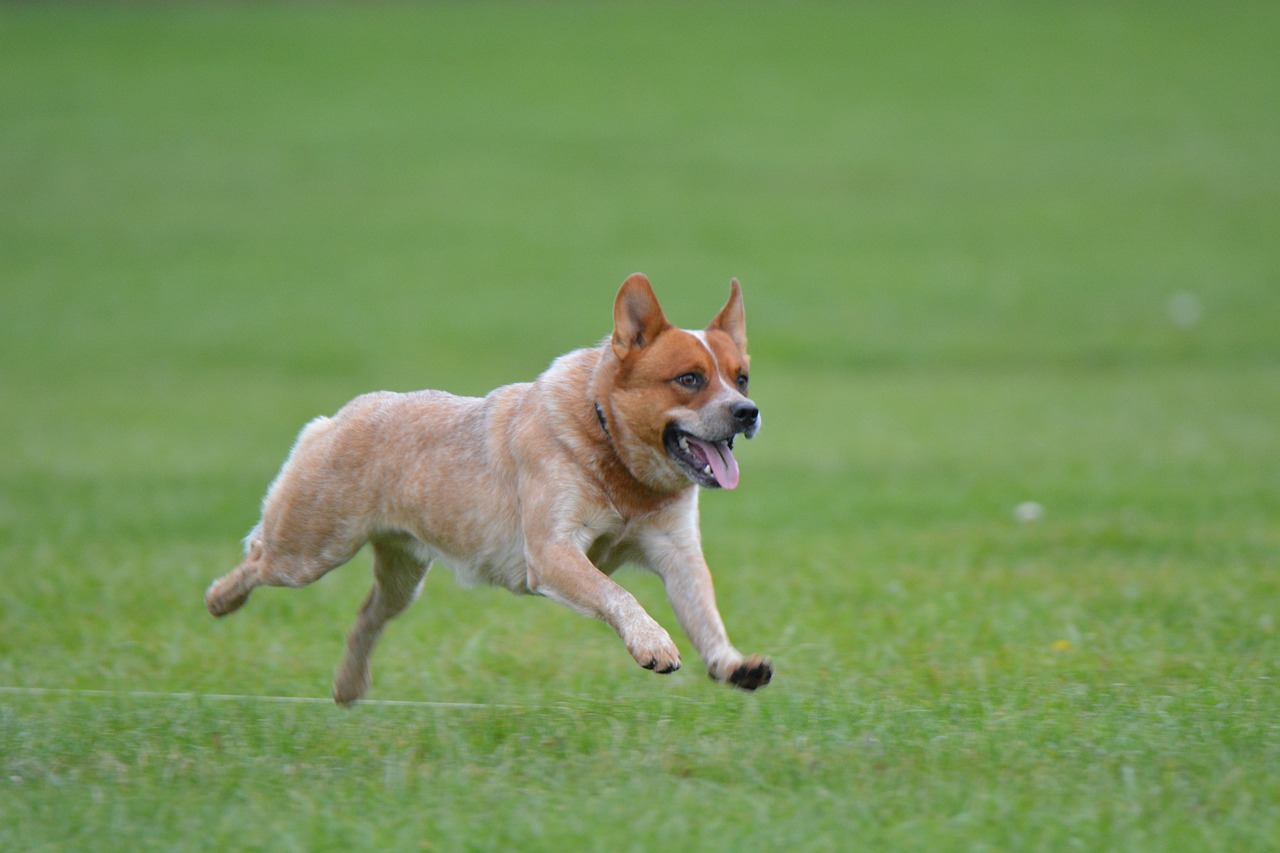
(603, 424)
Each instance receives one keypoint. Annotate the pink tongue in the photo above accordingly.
(720, 457)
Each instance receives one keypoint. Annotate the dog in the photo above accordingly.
(543, 487)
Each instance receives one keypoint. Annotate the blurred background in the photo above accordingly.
(991, 253)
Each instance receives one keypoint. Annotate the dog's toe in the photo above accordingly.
(652, 648)
(665, 668)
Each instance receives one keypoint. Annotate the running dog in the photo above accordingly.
(542, 487)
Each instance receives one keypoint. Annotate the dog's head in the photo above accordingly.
(674, 400)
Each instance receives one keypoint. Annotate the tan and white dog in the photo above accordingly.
(541, 487)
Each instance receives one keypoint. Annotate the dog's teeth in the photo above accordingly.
(684, 443)
(707, 469)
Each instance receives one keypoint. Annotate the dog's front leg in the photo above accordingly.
(561, 571)
(676, 557)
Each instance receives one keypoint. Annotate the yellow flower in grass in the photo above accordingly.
(1061, 645)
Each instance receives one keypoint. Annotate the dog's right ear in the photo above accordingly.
(637, 316)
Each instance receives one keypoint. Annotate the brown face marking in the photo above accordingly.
(646, 388)
(674, 354)
(648, 392)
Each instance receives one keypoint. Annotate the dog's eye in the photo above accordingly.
(692, 380)
(742, 383)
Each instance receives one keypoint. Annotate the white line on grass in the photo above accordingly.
(239, 697)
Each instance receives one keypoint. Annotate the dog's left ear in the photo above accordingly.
(732, 320)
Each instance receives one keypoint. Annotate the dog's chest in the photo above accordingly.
(609, 542)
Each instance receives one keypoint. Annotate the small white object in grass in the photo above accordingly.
(1184, 310)
(1028, 512)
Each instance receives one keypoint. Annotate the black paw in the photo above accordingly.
(751, 674)
(667, 668)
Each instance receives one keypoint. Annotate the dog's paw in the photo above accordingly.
(653, 649)
(747, 674)
(223, 596)
(351, 685)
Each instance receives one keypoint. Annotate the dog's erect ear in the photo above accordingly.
(731, 320)
(637, 316)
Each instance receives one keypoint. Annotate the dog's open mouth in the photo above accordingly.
(708, 463)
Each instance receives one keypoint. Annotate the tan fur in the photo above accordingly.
(524, 488)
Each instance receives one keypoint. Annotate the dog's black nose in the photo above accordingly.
(745, 413)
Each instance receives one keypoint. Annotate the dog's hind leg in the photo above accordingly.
(398, 574)
(312, 551)
(229, 593)
(312, 521)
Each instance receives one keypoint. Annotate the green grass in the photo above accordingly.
(961, 230)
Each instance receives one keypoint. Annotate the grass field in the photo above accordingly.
(992, 253)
